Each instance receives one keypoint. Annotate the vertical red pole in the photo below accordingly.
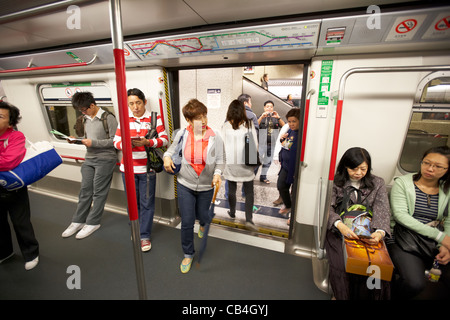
(161, 110)
(119, 63)
(305, 130)
(337, 129)
(119, 60)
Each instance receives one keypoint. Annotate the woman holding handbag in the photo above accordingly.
(15, 203)
(201, 168)
(355, 179)
(234, 131)
(417, 200)
(145, 180)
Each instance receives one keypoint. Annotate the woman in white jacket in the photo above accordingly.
(233, 134)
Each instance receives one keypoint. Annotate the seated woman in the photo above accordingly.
(354, 172)
(416, 200)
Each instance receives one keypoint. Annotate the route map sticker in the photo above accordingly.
(439, 28)
(404, 28)
(240, 40)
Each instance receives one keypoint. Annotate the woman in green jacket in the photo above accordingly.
(416, 200)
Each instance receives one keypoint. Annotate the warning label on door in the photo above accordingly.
(404, 28)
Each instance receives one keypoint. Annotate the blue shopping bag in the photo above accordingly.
(41, 158)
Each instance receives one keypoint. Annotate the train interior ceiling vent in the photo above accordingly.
(409, 30)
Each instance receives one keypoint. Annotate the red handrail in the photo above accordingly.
(305, 124)
(58, 66)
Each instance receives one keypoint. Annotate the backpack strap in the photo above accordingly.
(348, 205)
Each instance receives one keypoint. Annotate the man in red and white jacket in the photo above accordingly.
(140, 125)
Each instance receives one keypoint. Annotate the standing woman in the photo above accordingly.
(354, 172)
(201, 167)
(145, 182)
(416, 200)
(233, 134)
(16, 203)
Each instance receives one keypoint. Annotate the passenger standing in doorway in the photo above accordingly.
(202, 164)
(269, 125)
(353, 173)
(417, 201)
(247, 101)
(233, 134)
(98, 167)
(15, 203)
(288, 159)
(145, 181)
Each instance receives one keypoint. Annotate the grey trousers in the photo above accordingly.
(96, 177)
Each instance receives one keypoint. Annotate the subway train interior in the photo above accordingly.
(373, 75)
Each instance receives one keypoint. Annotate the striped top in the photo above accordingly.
(426, 208)
(139, 127)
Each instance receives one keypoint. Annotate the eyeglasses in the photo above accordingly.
(82, 110)
(432, 165)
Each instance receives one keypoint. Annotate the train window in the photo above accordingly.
(430, 125)
(437, 91)
(56, 100)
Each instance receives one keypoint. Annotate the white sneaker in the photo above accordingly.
(86, 231)
(31, 264)
(74, 227)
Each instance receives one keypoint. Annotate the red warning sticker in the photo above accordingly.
(443, 24)
(404, 28)
(439, 28)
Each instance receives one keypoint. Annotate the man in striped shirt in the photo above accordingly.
(140, 124)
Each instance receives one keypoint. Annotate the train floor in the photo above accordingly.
(229, 270)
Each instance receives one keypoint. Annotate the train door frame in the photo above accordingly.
(174, 87)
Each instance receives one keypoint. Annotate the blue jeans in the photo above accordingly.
(145, 202)
(192, 205)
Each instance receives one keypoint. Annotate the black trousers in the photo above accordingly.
(17, 205)
(283, 188)
(249, 198)
(410, 281)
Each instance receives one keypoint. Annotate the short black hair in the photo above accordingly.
(136, 92)
(294, 112)
(83, 100)
(14, 113)
(244, 97)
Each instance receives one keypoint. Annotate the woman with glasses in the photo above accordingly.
(417, 200)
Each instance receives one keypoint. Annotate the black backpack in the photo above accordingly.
(154, 160)
(79, 124)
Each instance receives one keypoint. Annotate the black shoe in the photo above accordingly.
(232, 215)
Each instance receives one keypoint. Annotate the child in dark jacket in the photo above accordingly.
(288, 159)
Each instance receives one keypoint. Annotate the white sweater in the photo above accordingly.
(235, 168)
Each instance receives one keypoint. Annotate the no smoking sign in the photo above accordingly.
(404, 28)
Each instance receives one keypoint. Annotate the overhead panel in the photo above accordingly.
(427, 29)
(289, 36)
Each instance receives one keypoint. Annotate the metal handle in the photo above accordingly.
(58, 66)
